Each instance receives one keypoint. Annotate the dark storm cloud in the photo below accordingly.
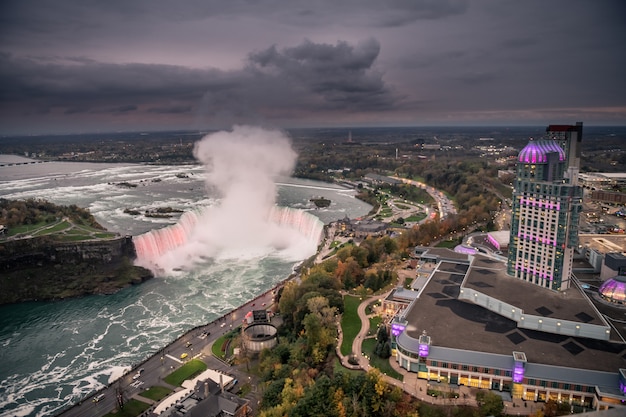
(311, 76)
(72, 17)
(124, 109)
(170, 109)
(297, 62)
(63, 82)
(76, 110)
(340, 74)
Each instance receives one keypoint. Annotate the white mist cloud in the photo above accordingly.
(242, 166)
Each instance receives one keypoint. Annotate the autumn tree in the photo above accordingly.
(489, 403)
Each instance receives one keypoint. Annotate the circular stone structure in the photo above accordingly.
(614, 290)
(259, 336)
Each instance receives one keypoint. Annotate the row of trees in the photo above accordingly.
(299, 374)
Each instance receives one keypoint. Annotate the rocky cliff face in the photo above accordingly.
(42, 269)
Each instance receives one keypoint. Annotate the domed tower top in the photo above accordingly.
(536, 152)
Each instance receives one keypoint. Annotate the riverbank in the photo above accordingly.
(195, 343)
(42, 269)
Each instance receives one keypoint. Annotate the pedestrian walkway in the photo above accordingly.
(415, 386)
(167, 355)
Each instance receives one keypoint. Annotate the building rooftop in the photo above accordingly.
(461, 325)
(603, 243)
(402, 294)
(489, 277)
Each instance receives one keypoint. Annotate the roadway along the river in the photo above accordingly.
(167, 360)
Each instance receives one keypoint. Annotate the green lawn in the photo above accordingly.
(416, 217)
(450, 244)
(54, 229)
(192, 368)
(219, 343)
(132, 408)
(104, 235)
(407, 283)
(374, 323)
(369, 309)
(24, 228)
(339, 368)
(381, 364)
(62, 230)
(386, 212)
(403, 207)
(156, 393)
(72, 238)
(217, 347)
(350, 323)
(334, 244)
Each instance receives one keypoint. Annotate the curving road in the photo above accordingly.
(444, 204)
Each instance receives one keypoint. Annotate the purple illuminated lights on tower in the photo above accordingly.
(424, 345)
(518, 373)
(551, 205)
(536, 152)
(397, 328)
(423, 350)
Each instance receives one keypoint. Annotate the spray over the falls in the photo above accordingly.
(242, 166)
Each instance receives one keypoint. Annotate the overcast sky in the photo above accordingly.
(92, 65)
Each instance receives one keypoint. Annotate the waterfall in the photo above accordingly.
(156, 243)
(303, 221)
(195, 236)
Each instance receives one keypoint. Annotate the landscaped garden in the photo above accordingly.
(377, 362)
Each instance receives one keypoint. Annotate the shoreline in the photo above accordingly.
(191, 333)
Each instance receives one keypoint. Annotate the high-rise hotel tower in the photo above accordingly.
(547, 201)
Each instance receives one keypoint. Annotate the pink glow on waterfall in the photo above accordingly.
(242, 166)
(156, 243)
(290, 233)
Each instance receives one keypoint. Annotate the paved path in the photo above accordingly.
(416, 387)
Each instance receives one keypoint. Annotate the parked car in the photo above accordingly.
(98, 398)
(138, 374)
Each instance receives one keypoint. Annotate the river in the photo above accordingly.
(52, 354)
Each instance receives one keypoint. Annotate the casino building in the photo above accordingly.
(547, 201)
(521, 327)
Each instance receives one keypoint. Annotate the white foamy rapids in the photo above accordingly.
(201, 235)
